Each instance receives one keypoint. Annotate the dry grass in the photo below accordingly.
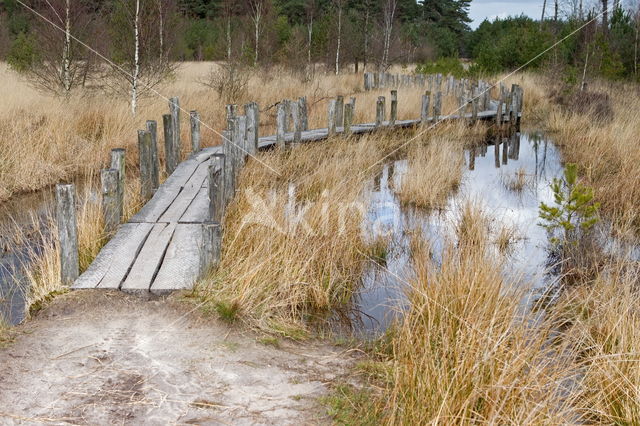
(516, 181)
(464, 352)
(45, 140)
(287, 261)
(603, 326)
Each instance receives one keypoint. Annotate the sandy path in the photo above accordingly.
(108, 358)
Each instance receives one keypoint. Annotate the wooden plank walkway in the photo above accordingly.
(161, 248)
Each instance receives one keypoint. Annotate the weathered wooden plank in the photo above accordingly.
(181, 265)
(112, 250)
(123, 257)
(182, 202)
(150, 258)
(198, 211)
(67, 232)
(171, 188)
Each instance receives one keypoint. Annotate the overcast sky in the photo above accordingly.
(490, 9)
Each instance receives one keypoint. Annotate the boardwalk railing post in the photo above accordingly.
(499, 113)
(144, 157)
(331, 117)
(424, 110)
(194, 118)
(380, 111)
(217, 187)
(111, 201)
(231, 111)
(152, 127)
(339, 111)
(437, 107)
(174, 107)
(118, 163)
(281, 124)
(67, 233)
(252, 113)
(170, 157)
(304, 113)
(297, 122)
(348, 117)
(211, 247)
(394, 108)
(229, 172)
(240, 142)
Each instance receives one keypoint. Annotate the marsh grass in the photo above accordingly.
(517, 181)
(436, 161)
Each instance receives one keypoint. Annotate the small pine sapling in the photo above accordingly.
(574, 210)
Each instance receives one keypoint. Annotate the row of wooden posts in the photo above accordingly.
(240, 140)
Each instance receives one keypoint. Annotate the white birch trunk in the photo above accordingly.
(389, 15)
(66, 54)
(339, 39)
(229, 36)
(257, 17)
(161, 33)
(309, 39)
(136, 66)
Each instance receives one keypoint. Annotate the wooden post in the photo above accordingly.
(232, 112)
(111, 201)
(331, 117)
(217, 187)
(380, 111)
(170, 157)
(240, 142)
(437, 107)
(474, 109)
(194, 117)
(211, 247)
(281, 124)
(144, 157)
(118, 163)
(505, 150)
(304, 113)
(339, 111)
(67, 233)
(152, 127)
(499, 113)
(353, 103)
(297, 122)
(229, 172)
(424, 110)
(252, 112)
(394, 108)
(174, 107)
(348, 117)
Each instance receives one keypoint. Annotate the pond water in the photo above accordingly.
(507, 180)
(25, 215)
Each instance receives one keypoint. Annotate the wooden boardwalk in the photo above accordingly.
(160, 249)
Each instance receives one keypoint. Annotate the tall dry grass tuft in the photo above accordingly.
(465, 352)
(436, 161)
(293, 250)
(603, 327)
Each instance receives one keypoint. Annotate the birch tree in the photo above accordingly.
(136, 65)
(339, 4)
(258, 10)
(389, 12)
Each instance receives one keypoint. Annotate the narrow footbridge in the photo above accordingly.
(176, 236)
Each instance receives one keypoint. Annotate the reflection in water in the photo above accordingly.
(484, 184)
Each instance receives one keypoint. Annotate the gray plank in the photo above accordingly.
(149, 259)
(114, 256)
(198, 211)
(182, 202)
(181, 265)
(171, 188)
(122, 259)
